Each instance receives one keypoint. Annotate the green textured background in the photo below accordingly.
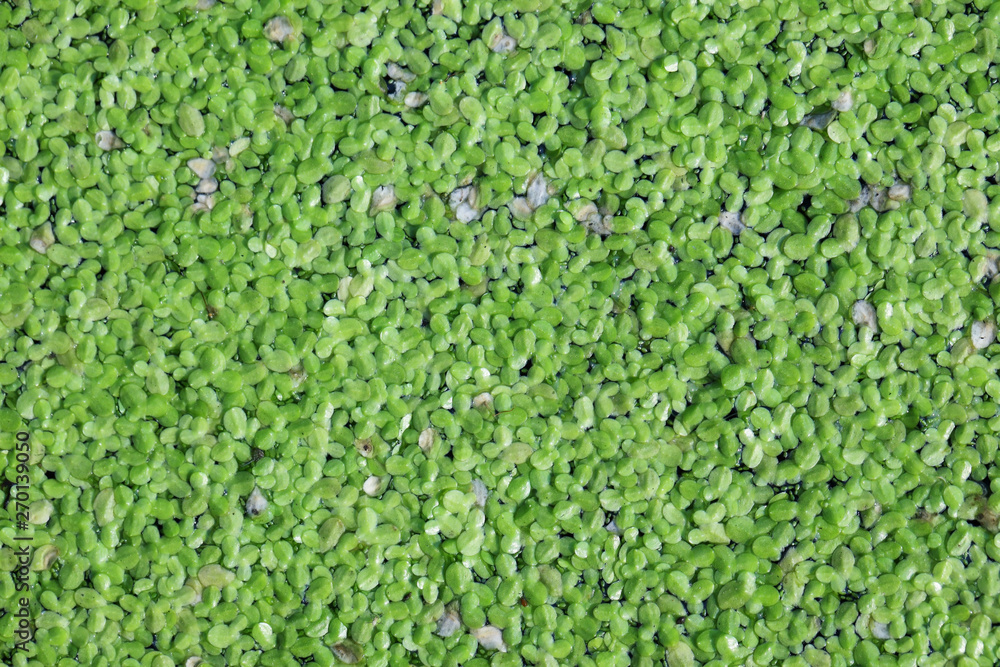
(695, 452)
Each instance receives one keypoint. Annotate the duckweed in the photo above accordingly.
(547, 333)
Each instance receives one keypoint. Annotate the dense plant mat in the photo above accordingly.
(499, 333)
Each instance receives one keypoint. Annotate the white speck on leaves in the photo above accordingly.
(480, 491)
(383, 198)
(207, 186)
(863, 314)
(373, 486)
(521, 208)
(844, 102)
(426, 439)
(463, 202)
(448, 624)
(731, 221)
(983, 334)
(42, 238)
(256, 503)
(415, 100)
(278, 29)
(899, 192)
(108, 140)
(861, 200)
(397, 73)
(201, 167)
(490, 637)
(881, 631)
(879, 199)
(538, 191)
(284, 113)
(503, 43)
(203, 202)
